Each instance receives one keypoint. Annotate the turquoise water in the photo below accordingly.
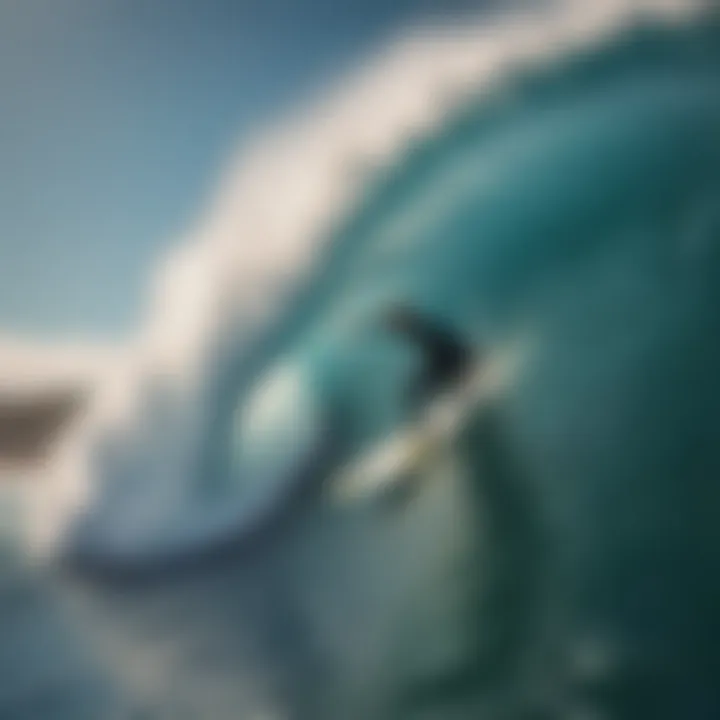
(592, 182)
(562, 557)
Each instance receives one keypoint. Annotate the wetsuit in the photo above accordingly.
(446, 359)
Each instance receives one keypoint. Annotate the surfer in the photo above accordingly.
(396, 466)
(446, 359)
(439, 399)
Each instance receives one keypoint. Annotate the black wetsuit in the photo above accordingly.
(446, 359)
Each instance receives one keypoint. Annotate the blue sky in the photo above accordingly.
(117, 116)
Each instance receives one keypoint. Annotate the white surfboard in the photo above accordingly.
(414, 448)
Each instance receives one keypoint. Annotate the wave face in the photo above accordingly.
(555, 558)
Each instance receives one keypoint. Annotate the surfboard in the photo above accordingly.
(414, 448)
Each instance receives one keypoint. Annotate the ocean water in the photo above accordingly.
(554, 558)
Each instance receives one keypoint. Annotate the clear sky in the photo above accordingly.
(117, 116)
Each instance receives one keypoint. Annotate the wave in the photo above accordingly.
(262, 239)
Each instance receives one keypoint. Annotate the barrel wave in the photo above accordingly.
(553, 555)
